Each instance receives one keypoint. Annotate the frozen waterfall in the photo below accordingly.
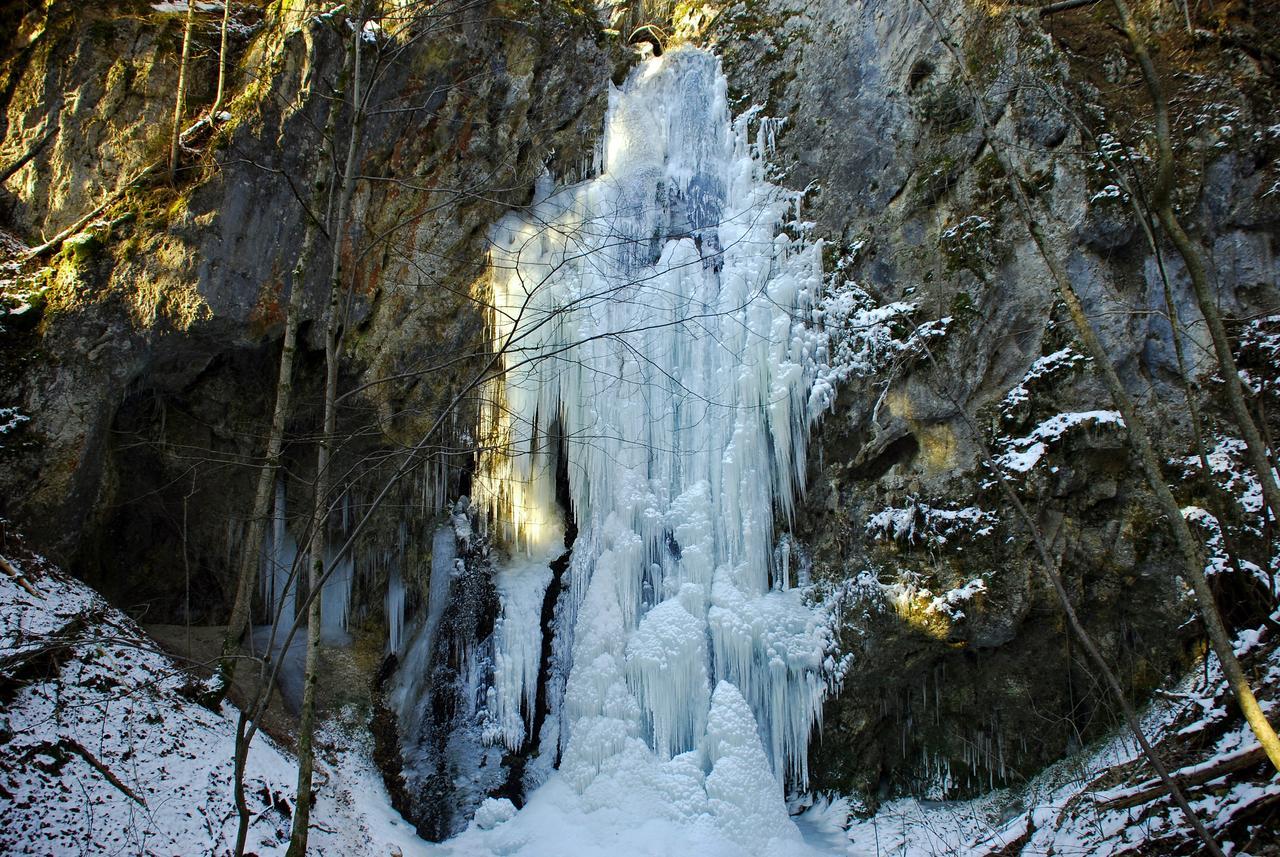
(653, 324)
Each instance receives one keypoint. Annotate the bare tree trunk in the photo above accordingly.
(241, 756)
(1220, 501)
(317, 222)
(180, 102)
(410, 459)
(1192, 561)
(317, 576)
(411, 456)
(249, 559)
(1218, 497)
(1049, 569)
(25, 158)
(222, 63)
(1162, 198)
(315, 580)
(1206, 299)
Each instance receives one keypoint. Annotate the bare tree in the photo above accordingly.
(1048, 567)
(180, 98)
(315, 214)
(222, 63)
(1191, 567)
(1206, 299)
(346, 180)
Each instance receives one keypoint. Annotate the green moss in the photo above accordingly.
(962, 309)
(989, 179)
(984, 53)
(970, 245)
(80, 250)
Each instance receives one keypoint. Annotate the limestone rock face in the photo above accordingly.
(149, 378)
(955, 686)
(155, 361)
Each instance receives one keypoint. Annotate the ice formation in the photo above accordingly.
(281, 573)
(518, 647)
(410, 694)
(279, 554)
(654, 328)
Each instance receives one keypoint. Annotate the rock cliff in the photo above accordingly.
(138, 362)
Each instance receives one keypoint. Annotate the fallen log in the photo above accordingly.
(18, 577)
(73, 746)
(56, 241)
(1191, 776)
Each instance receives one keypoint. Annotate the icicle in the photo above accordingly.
(412, 677)
(518, 648)
(335, 598)
(395, 610)
(667, 666)
(650, 322)
(279, 555)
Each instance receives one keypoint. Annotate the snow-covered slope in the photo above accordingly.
(102, 753)
(1106, 801)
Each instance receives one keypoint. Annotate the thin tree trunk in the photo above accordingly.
(222, 64)
(1219, 499)
(249, 561)
(180, 102)
(315, 580)
(1162, 197)
(25, 158)
(316, 576)
(1049, 569)
(1217, 496)
(241, 756)
(1189, 551)
(269, 671)
(250, 556)
(262, 494)
(1205, 297)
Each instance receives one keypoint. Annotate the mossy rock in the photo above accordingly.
(81, 250)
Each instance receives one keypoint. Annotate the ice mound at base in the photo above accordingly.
(640, 806)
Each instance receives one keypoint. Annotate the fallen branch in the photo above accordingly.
(1064, 6)
(18, 577)
(56, 241)
(1192, 776)
(25, 157)
(74, 746)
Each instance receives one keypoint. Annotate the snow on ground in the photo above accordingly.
(102, 753)
(1062, 811)
(1065, 810)
(80, 681)
(555, 823)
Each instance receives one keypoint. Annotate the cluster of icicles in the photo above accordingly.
(654, 328)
